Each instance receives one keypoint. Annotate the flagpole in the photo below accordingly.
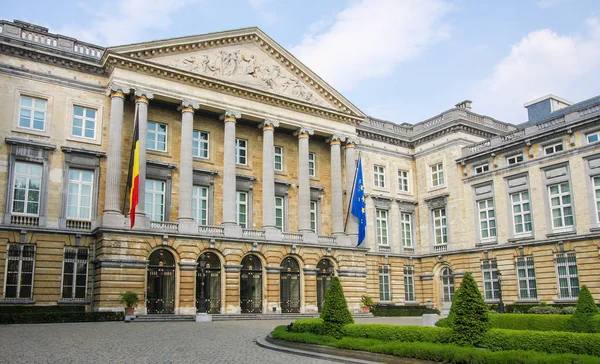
(352, 193)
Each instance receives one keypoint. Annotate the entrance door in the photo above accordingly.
(160, 296)
(324, 276)
(208, 284)
(447, 279)
(251, 285)
(289, 284)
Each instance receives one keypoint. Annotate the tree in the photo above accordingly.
(335, 312)
(470, 314)
(585, 309)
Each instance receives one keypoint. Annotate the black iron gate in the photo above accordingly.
(251, 285)
(324, 276)
(289, 284)
(160, 294)
(208, 284)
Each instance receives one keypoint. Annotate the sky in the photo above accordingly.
(398, 60)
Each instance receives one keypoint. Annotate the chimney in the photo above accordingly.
(464, 105)
(540, 109)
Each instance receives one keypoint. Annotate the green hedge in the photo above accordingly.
(524, 307)
(400, 333)
(312, 325)
(41, 309)
(57, 317)
(543, 341)
(530, 322)
(391, 310)
(446, 353)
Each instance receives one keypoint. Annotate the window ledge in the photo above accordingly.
(436, 188)
(565, 300)
(486, 243)
(520, 238)
(203, 160)
(17, 302)
(561, 233)
(73, 302)
(526, 300)
(595, 229)
(388, 302)
(411, 303)
(492, 302)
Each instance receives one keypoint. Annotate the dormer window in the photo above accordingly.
(514, 159)
(482, 168)
(553, 148)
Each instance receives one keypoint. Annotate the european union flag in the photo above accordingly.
(358, 202)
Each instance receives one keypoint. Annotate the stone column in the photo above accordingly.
(273, 296)
(142, 99)
(186, 169)
(268, 177)
(303, 181)
(232, 289)
(187, 299)
(229, 178)
(112, 215)
(351, 224)
(310, 291)
(337, 199)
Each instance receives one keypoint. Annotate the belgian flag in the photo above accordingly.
(134, 172)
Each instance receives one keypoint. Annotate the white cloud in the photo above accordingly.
(371, 38)
(268, 16)
(122, 22)
(543, 62)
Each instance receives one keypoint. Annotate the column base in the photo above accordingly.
(273, 234)
(187, 226)
(112, 219)
(353, 241)
(232, 230)
(141, 222)
(187, 310)
(310, 237)
(343, 240)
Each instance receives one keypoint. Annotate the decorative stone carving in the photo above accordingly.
(437, 202)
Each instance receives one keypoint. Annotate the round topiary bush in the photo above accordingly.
(470, 314)
(585, 309)
(335, 312)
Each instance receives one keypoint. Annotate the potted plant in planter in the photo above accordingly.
(130, 300)
(366, 302)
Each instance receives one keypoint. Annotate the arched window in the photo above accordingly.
(251, 285)
(324, 276)
(289, 286)
(160, 293)
(447, 285)
(208, 283)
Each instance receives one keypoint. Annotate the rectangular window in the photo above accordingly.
(280, 213)
(437, 175)
(241, 151)
(313, 216)
(514, 159)
(384, 283)
(554, 148)
(409, 283)
(312, 165)
(200, 204)
(242, 209)
(482, 168)
(439, 226)
(382, 227)
(526, 277)
(156, 137)
(79, 200)
(568, 278)
(487, 219)
(491, 287)
(26, 192)
(379, 176)
(403, 180)
(521, 211)
(84, 122)
(593, 137)
(20, 261)
(155, 200)
(75, 268)
(279, 159)
(406, 229)
(596, 184)
(561, 205)
(200, 143)
(32, 113)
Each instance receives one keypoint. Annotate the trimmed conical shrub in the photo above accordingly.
(585, 309)
(470, 314)
(335, 312)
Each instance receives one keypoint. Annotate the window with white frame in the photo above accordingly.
(593, 137)
(382, 227)
(241, 213)
(409, 283)
(312, 165)
(596, 185)
(75, 269)
(384, 283)
(379, 176)
(482, 168)
(156, 137)
(553, 148)
(526, 277)
(567, 275)
(406, 229)
(200, 204)
(447, 285)
(403, 180)
(200, 144)
(487, 219)
(521, 212)
(79, 197)
(514, 159)
(280, 213)
(32, 113)
(439, 226)
(561, 205)
(437, 175)
(491, 287)
(84, 122)
(26, 191)
(241, 151)
(20, 263)
(278, 159)
(314, 215)
(155, 200)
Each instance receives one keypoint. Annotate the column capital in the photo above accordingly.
(143, 96)
(335, 139)
(116, 90)
(230, 115)
(351, 142)
(188, 106)
(304, 133)
(269, 125)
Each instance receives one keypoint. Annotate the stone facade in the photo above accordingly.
(440, 193)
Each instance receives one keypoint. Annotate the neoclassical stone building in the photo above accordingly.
(246, 176)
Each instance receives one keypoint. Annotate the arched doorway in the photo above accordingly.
(289, 286)
(160, 295)
(324, 276)
(251, 285)
(447, 280)
(208, 283)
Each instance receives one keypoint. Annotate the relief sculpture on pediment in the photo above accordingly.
(248, 69)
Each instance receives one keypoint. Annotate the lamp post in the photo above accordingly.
(500, 304)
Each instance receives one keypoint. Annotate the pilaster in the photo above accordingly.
(142, 100)
(186, 177)
(268, 180)
(303, 181)
(337, 207)
(351, 223)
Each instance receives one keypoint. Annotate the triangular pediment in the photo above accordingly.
(246, 57)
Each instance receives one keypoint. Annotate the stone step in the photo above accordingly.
(164, 318)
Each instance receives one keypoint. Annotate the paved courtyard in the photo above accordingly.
(161, 342)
